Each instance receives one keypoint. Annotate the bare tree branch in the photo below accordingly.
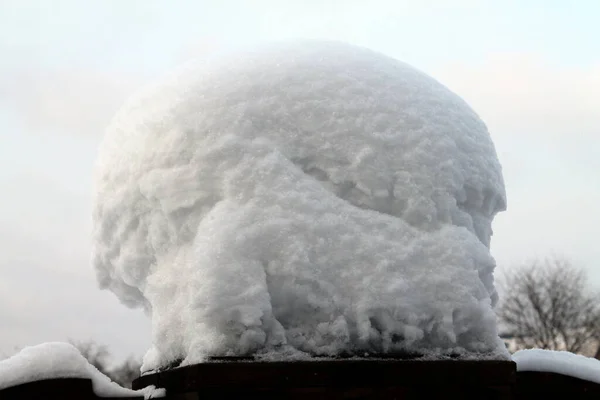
(548, 305)
(98, 356)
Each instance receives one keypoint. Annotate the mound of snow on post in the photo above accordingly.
(309, 198)
(560, 362)
(62, 360)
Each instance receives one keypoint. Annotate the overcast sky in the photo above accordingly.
(531, 69)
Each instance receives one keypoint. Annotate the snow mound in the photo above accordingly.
(62, 360)
(310, 197)
(560, 362)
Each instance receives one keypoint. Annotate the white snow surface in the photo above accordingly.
(62, 360)
(310, 197)
(560, 362)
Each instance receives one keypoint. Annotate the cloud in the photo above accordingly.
(39, 304)
(525, 97)
(544, 118)
(69, 100)
(48, 290)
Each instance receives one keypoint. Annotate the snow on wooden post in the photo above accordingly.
(301, 200)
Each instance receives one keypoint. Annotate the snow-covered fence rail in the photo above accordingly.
(59, 371)
(59, 388)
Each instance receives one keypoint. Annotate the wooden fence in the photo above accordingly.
(347, 379)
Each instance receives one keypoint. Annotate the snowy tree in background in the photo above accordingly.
(550, 305)
(95, 354)
(98, 356)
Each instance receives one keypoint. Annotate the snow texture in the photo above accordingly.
(310, 197)
(560, 362)
(62, 360)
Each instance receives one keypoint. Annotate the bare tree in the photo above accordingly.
(125, 373)
(98, 355)
(549, 305)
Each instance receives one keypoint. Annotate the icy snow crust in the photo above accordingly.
(560, 362)
(62, 360)
(309, 197)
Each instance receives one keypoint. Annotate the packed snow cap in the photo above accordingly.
(312, 198)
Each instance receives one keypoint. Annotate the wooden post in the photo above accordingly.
(343, 379)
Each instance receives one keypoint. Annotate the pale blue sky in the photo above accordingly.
(531, 69)
(125, 34)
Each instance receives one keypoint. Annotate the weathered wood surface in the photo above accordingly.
(347, 379)
(548, 385)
